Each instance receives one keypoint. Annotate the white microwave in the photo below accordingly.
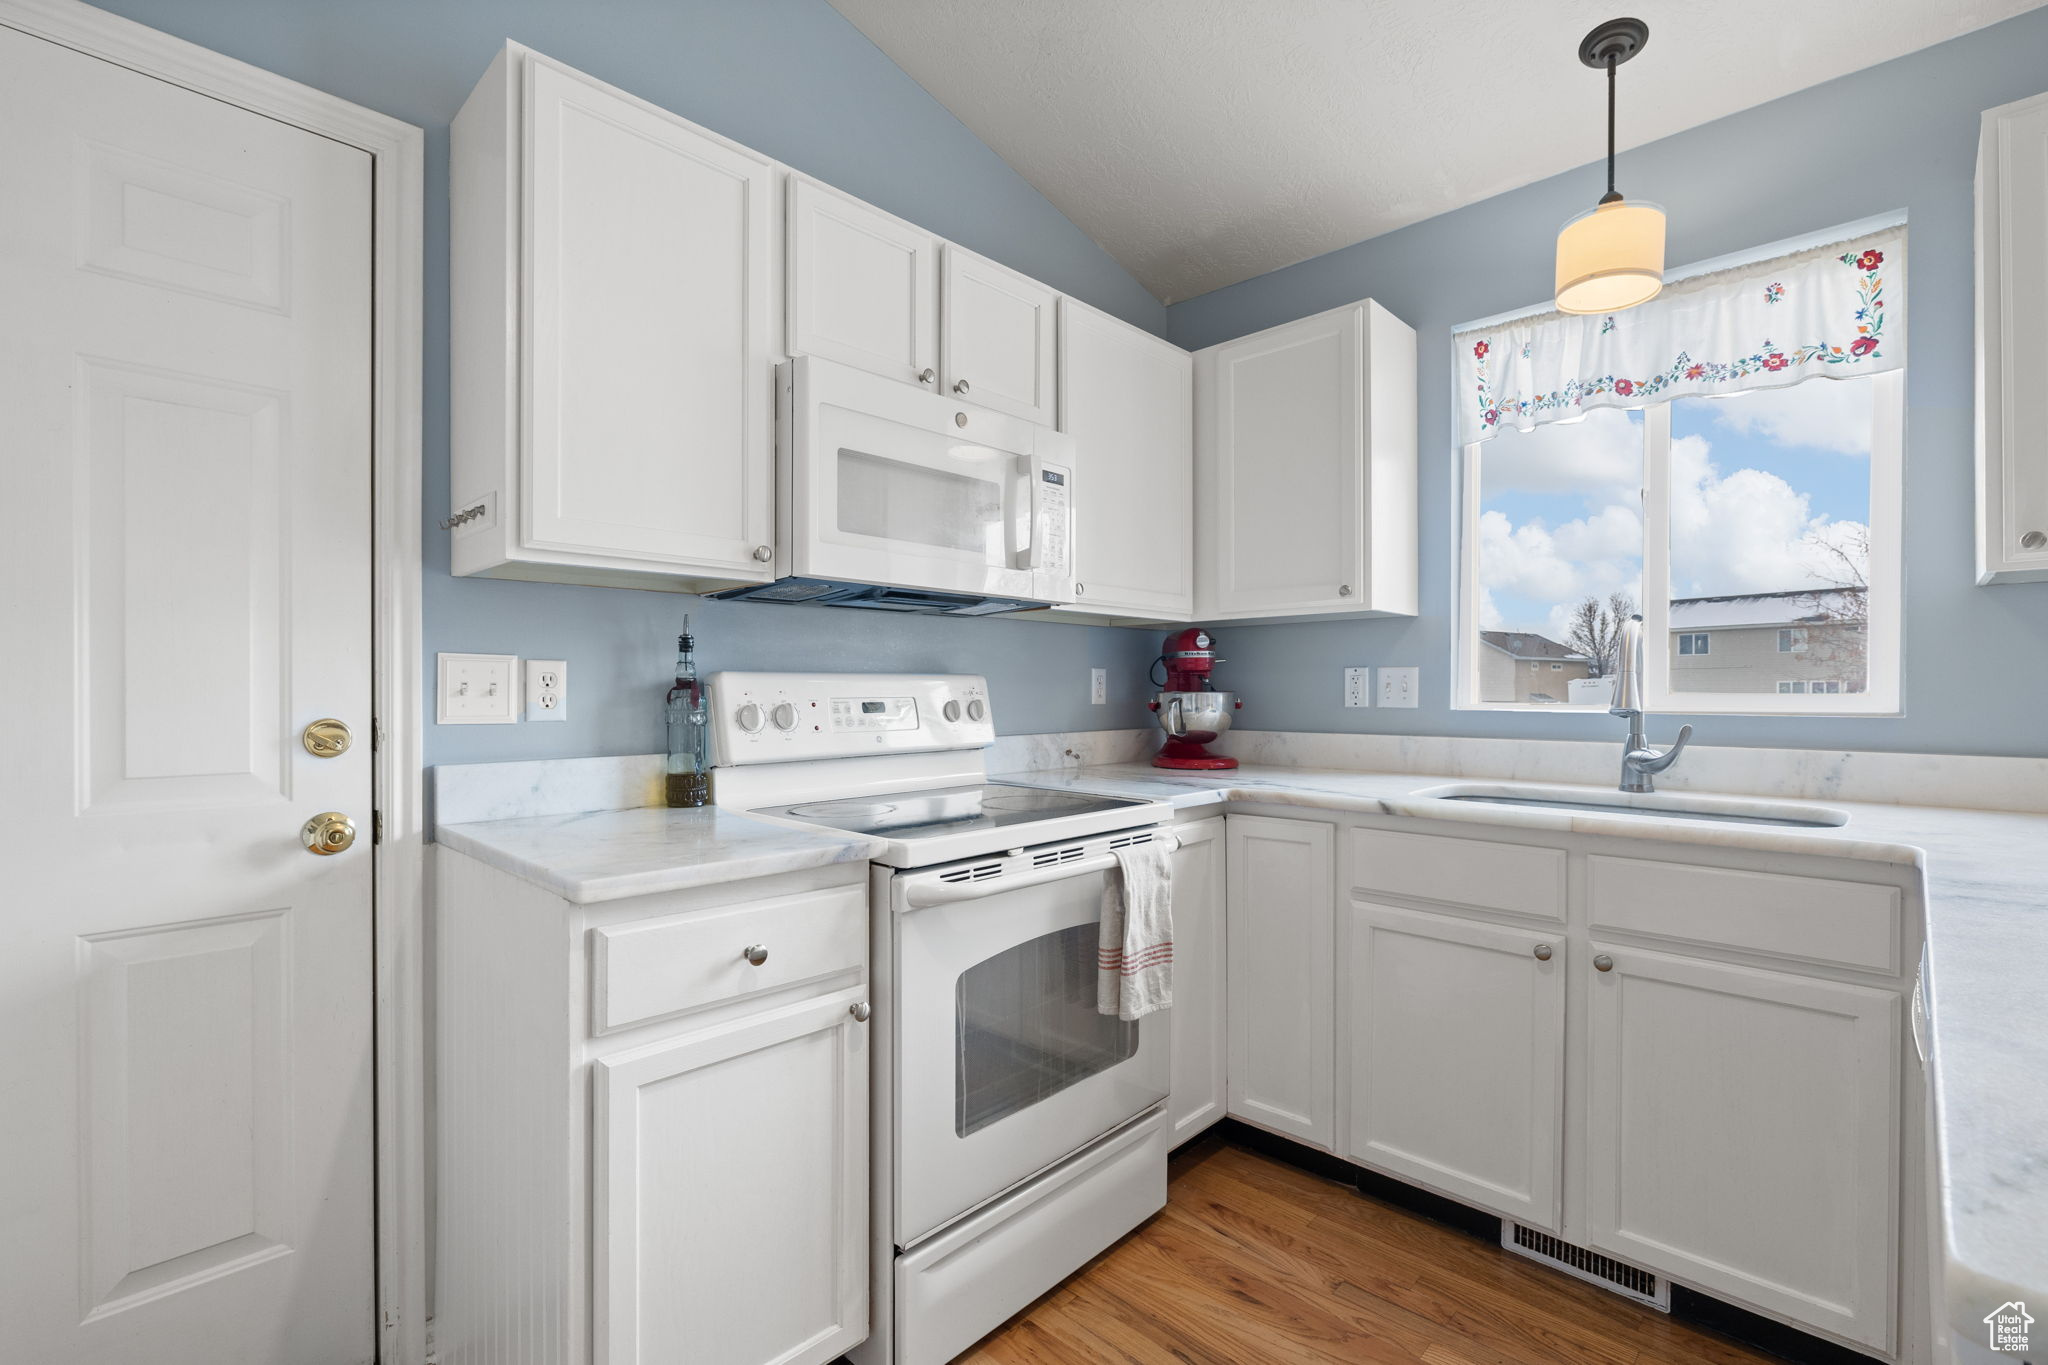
(898, 499)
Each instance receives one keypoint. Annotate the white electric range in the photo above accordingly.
(1017, 1131)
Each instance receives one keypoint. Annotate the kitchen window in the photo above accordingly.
(1755, 524)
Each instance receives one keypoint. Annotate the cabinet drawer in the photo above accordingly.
(650, 968)
(1475, 872)
(1845, 924)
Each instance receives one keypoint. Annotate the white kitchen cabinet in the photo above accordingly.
(863, 285)
(1280, 914)
(1305, 470)
(1742, 1131)
(651, 1147)
(1127, 399)
(1200, 1014)
(614, 273)
(999, 341)
(1456, 1040)
(2012, 347)
(730, 1192)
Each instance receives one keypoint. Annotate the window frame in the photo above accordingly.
(1884, 651)
(1702, 642)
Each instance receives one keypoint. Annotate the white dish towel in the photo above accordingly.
(1134, 961)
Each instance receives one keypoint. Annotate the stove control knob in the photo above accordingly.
(784, 716)
(976, 709)
(952, 710)
(750, 718)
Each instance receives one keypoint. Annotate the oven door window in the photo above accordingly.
(1026, 1027)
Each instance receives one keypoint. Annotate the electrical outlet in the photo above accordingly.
(1398, 686)
(476, 689)
(1358, 687)
(1098, 686)
(546, 689)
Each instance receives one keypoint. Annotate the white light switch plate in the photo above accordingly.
(1398, 686)
(476, 689)
(544, 687)
(1358, 687)
(1098, 686)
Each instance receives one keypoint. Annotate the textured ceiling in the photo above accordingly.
(1202, 142)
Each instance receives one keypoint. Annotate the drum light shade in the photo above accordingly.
(1610, 257)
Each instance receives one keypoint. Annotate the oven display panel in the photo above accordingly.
(874, 713)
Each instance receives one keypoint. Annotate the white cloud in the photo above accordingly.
(1748, 531)
(1599, 453)
(1827, 414)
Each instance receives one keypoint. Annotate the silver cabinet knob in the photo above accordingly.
(755, 953)
(1343, 590)
(1543, 952)
(959, 386)
(1603, 963)
(927, 375)
(1080, 590)
(2034, 540)
(764, 553)
(860, 1011)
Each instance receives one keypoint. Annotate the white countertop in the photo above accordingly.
(1986, 875)
(611, 854)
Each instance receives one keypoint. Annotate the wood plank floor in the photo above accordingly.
(1254, 1262)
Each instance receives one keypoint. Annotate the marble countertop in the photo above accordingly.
(609, 855)
(1986, 882)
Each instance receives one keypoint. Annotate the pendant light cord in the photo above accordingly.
(1612, 194)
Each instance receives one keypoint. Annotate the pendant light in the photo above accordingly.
(1611, 256)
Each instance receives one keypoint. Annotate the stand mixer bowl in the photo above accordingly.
(1198, 717)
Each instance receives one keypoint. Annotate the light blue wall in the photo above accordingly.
(1901, 135)
(794, 80)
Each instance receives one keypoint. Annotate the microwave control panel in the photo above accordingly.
(1055, 518)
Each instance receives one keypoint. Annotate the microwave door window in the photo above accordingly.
(1026, 1027)
(914, 504)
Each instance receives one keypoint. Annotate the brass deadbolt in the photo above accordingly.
(327, 738)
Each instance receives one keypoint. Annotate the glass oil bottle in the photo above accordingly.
(687, 781)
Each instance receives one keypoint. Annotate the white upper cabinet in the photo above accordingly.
(1305, 470)
(2012, 348)
(1127, 399)
(1000, 338)
(863, 286)
(613, 272)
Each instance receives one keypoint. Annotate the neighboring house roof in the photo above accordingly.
(1524, 644)
(1814, 607)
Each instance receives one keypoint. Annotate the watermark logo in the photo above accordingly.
(2006, 1326)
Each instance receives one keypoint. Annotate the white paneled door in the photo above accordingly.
(185, 989)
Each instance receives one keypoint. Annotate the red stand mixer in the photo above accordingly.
(1192, 713)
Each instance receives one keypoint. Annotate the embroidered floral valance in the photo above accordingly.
(1830, 312)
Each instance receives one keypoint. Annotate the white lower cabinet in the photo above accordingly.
(1282, 977)
(652, 1121)
(1457, 1056)
(730, 1177)
(1742, 1132)
(1200, 1015)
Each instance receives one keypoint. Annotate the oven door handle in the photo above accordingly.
(922, 895)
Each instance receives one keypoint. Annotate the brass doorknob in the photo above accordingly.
(328, 832)
(327, 738)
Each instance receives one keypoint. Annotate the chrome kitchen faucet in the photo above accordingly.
(1639, 762)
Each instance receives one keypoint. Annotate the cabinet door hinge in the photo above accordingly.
(376, 827)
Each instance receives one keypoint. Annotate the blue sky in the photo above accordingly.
(1761, 484)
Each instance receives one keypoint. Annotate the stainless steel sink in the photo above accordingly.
(1654, 806)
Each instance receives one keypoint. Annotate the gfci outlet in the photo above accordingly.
(1098, 686)
(1358, 687)
(546, 689)
(1398, 686)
